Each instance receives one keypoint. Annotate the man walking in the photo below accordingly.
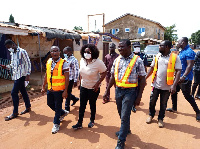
(73, 76)
(21, 68)
(163, 67)
(57, 78)
(109, 59)
(187, 56)
(125, 72)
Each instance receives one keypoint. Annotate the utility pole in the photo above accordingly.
(95, 21)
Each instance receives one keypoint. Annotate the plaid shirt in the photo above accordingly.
(20, 64)
(73, 68)
(138, 69)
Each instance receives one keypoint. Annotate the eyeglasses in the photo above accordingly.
(88, 52)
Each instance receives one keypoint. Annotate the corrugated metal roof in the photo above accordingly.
(137, 17)
(11, 29)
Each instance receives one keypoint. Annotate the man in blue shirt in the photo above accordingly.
(186, 56)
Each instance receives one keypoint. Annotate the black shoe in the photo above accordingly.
(91, 124)
(25, 111)
(77, 126)
(74, 102)
(134, 109)
(171, 110)
(120, 145)
(198, 117)
(117, 133)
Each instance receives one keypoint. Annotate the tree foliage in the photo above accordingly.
(170, 33)
(78, 28)
(11, 19)
(195, 37)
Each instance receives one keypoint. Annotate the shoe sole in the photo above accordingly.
(77, 128)
(54, 132)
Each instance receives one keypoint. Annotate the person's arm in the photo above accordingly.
(141, 88)
(44, 84)
(66, 74)
(150, 71)
(190, 64)
(176, 80)
(76, 72)
(111, 83)
(27, 64)
(102, 76)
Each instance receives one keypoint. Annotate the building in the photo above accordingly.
(136, 28)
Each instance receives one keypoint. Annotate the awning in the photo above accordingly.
(10, 29)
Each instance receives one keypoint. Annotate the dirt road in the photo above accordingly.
(33, 130)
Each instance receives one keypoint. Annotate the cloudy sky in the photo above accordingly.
(67, 14)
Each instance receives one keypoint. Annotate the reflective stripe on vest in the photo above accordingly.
(124, 80)
(55, 79)
(170, 68)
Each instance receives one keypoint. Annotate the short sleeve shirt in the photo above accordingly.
(161, 76)
(144, 58)
(138, 69)
(186, 54)
(90, 73)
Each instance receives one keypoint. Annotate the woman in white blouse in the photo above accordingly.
(92, 72)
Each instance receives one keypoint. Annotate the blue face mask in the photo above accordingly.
(65, 55)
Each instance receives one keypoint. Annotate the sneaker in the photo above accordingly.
(77, 126)
(120, 145)
(160, 124)
(63, 116)
(171, 110)
(134, 109)
(149, 120)
(55, 128)
(198, 117)
(117, 133)
(91, 124)
(74, 102)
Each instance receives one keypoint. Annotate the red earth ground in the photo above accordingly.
(33, 130)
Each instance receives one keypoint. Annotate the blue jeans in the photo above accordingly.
(19, 86)
(164, 96)
(125, 97)
(54, 101)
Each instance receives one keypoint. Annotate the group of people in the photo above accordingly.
(127, 72)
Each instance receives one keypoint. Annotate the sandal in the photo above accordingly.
(10, 117)
(25, 111)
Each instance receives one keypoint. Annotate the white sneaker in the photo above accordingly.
(63, 116)
(55, 128)
(160, 124)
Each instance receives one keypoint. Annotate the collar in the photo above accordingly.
(166, 55)
(186, 47)
(56, 60)
(129, 57)
(113, 54)
(90, 62)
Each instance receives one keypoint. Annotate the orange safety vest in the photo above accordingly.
(170, 68)
(124, 80)
(55, 78)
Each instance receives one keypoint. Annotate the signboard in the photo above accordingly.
(106, 38)
(93, 40)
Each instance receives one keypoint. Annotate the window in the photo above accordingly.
(141, 30)
(127, 29)
(113, 31)
(117, 30)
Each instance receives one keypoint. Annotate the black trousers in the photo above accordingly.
(186, 89)
(196, 83)
(85, 95)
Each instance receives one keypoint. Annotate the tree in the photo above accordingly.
(78, 28)
(170, 33)
(195, 37)
(11, 19)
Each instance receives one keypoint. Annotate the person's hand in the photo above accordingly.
(43, 90)
(64, 94)
(27, 78)
(96, 87)
(182, 79)
(75, 84)
(172, 89)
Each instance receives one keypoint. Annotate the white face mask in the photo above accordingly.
(65, 55)
(11, 50)
(87, 56)
(137, 50)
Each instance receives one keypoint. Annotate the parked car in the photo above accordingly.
(151, 51)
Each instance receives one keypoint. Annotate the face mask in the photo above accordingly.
(87, 56)
(65, 55)
(11, 49)
(137, 50)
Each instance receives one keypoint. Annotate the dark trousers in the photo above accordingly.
(69, 96)
(196, 83)
(54, 101)
(107, 83)
(85, 95)
(19, 86)
(125, 97)
(186, 89)
(164, 96)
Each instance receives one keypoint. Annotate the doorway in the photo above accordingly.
(105, 50)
